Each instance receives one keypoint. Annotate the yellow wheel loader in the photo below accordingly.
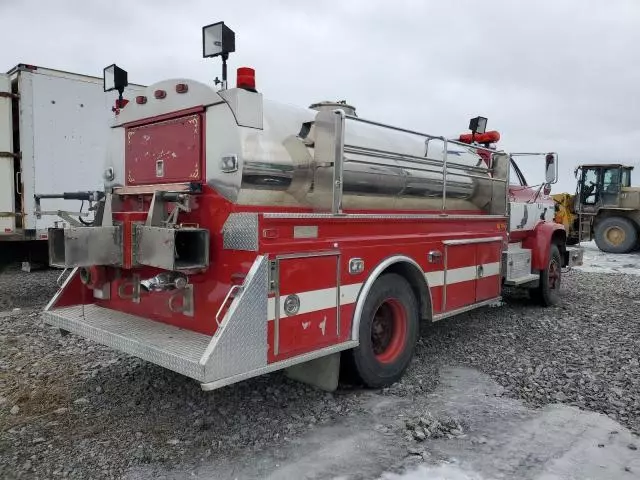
(605, 207)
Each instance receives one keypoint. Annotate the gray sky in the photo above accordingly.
(560, 75)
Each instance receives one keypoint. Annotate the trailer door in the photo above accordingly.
(7, 177)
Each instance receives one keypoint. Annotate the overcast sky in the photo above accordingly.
(561, 75)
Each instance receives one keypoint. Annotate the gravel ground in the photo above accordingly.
(70, 408)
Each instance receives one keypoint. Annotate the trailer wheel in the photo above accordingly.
(616, 235)
(547, 293)
(388, 333)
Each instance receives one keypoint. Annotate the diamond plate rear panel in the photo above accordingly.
(240, 232)
(165, 345)
(516, 263)
(240, 344)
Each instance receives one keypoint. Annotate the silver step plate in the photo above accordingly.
(165, 345)
(532, 277)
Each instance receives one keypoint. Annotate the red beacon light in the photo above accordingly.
(484, 138)
(246, 79)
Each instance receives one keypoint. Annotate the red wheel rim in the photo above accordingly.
(554, 275)
(389, 330)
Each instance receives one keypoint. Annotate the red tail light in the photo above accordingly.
(182, 88)
(160, 94)
(141, 99)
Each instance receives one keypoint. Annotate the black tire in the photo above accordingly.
(547, 293)
(616, 235)
(390, 309)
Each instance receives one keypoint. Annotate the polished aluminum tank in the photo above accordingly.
(278, 166)
(265, 153)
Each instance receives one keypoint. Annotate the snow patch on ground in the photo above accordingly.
(598, 261)
(440, 472)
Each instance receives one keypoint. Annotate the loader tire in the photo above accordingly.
(616, 235)
(547, 293)
(388, 333)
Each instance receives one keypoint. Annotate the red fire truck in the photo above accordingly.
(239, 236)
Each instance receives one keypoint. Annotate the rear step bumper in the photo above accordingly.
(165, 345)
(239, 346)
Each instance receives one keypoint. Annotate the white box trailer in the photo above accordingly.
(54, 127)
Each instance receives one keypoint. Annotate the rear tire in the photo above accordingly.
(547, 293)
(616, 235)
(388, 333)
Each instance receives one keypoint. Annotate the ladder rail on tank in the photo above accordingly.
(341, 148)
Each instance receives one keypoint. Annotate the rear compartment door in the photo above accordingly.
(489, 280)
(306, 317)
(166, 151)
(7, 174)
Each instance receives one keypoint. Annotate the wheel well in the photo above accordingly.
(410, 270)
(559, 238)
(418, 285)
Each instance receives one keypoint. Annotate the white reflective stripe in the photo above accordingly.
(315, 300)
(435, 279)
(491, 269)
(463, 274)
(325, 298)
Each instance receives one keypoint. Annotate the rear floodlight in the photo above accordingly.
(217, 39)
(115, 78)
(478, 125)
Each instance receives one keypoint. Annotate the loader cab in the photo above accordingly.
(600, 186)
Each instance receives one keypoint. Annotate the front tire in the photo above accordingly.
(616, 235)
(547, 293)
(388, 333)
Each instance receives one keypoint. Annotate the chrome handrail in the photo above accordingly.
(226, 299)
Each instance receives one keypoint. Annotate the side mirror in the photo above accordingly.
(551, 168)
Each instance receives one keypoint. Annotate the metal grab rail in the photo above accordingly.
(233, 291)
(445, 154)
(405, 157)
(340, 149)
(420, 134)
(338, 166)
(418, 169)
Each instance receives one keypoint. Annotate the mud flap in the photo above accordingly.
(573, 257)
(322, 372)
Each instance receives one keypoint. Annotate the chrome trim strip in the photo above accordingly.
(375, 216)
(457, 311)
(469, 241)
(329, 253)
